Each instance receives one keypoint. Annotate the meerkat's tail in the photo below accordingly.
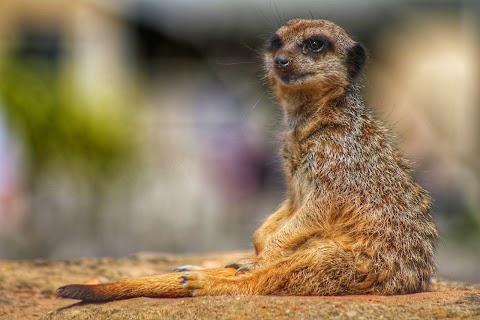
(165, 285)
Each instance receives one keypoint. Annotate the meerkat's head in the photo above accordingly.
(313, 54)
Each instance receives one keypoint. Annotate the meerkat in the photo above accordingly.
(353, 222)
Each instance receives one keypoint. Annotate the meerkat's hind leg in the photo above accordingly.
(322, 268)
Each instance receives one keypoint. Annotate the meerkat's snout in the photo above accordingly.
(283, 67)
(282, 62)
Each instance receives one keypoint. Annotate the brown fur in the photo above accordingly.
(354, 222)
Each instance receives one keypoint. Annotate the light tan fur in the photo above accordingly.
(353, 222)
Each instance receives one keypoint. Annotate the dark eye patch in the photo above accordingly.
(275, 43)
(355, 60)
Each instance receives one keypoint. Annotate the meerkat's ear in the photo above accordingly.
(355, 59)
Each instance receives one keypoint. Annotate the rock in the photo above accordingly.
(350, 314)
(26, 292)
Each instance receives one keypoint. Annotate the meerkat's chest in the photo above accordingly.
(300, 171)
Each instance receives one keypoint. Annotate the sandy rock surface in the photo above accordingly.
(27, 292)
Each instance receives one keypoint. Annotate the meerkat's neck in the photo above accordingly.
(306, 112)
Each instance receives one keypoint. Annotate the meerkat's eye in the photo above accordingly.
(275, 43)
(313, 45)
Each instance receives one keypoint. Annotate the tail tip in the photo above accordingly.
(77, 292)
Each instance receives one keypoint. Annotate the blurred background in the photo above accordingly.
(142, 125)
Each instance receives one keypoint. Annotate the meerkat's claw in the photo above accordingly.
(183, 280)
(242, 266)
(241, 263)
(188, 267)
(244, 269)
(234, 265)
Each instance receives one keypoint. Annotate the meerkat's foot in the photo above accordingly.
(188, 267)
(194, 282)
(203, 283)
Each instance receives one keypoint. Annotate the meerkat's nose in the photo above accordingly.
(282, 62)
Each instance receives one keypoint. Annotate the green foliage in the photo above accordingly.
(62, 129)
(465, 229)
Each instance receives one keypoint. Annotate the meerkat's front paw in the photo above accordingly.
(242, 266)
(237, 264)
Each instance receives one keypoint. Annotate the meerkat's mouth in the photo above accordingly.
(289, 78)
